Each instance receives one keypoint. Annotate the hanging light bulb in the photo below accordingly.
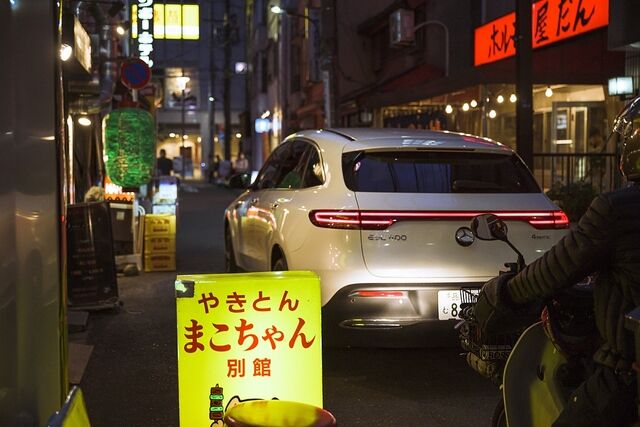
(513, 98)
(65, 52)
(492, 114)
(548, 92)
(500, 99)
(448, 109)
(84, 121)
(465, 106)
(473, 103)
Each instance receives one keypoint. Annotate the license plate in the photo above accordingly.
(449, 304)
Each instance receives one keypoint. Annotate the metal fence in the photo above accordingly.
(598, 169)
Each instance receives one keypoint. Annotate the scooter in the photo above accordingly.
(536, 363)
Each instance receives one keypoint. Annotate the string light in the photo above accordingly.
(500, 99)
(513, 98)
(448, 109)
(548, 92)
(465, 106)
(492, 114)
(473, 103)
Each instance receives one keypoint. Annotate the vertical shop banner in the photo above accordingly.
(245, 337)
(551, 22)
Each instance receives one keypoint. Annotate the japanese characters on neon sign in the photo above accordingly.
(144, 27)
(551, 21)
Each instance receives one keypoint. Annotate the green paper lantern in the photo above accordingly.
(130, 143)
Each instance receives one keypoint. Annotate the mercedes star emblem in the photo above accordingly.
(465, 237)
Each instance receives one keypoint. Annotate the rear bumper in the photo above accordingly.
(387, 306)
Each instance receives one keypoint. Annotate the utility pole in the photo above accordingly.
(227, 80)
(524, 83)
(212, 84)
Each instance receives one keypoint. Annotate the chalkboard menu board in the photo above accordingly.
(91, 277)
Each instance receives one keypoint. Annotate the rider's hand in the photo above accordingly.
(494, 305)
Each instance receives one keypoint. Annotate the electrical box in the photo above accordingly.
(401, 28)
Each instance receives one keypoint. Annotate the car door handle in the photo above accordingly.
(274, 205)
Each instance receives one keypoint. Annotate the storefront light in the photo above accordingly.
(182, 82)
(513, 98)
(238, 135)
(185, 137)
(448, 109)
(277, 10)
(172, 135)
(65, 52)
(492, 114)
(465, 106)
(473, 103)
(548, 92)
(211, 99)
(84, 121)
(120, 30)
(500, 99)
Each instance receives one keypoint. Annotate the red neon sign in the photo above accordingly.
(551, 21)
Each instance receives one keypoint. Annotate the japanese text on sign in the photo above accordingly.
(551, 21)
(255, 335)
(145, 30)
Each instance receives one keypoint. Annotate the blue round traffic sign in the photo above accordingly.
(135, 73)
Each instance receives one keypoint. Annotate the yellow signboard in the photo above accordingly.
(245, 337)
(172, 21)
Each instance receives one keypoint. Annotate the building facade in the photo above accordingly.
(193, 76)
(450, 66)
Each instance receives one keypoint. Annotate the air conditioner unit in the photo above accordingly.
(401, 28)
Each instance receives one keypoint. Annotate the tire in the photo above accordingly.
(280, 264)
(499, 417)
(230, 265)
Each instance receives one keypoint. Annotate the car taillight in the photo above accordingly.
(380, 220)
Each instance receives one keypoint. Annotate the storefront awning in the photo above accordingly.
(590, 63)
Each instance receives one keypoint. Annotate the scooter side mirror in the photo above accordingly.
(489, 227)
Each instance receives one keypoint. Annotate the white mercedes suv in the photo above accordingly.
(382, 216)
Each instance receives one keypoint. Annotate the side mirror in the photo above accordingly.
(240, 181)
(489, 227)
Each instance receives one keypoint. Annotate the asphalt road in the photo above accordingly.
(131, 378)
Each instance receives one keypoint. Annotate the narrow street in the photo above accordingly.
(131, 378)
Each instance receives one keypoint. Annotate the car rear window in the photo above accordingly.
(436, 172)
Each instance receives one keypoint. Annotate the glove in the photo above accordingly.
(494, 307)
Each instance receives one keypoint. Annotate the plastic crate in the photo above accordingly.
(160, 262)
(155, 225)
(159, 244)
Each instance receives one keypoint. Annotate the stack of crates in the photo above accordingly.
(159, 242)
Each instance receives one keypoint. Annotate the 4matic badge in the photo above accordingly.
(465, 237)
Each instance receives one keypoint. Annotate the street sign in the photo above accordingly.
(245, 337)
(135, 73)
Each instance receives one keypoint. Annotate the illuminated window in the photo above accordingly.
(190, 22)
(172, 22)
(158, 21)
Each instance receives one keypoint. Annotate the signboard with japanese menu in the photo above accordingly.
(91, 271)
(245, 337)
(551, 22)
